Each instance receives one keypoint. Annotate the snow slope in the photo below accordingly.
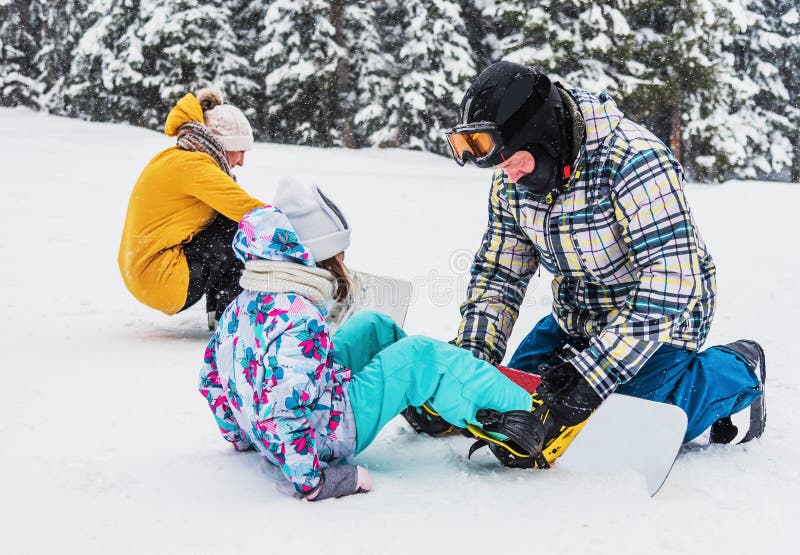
(108, 448)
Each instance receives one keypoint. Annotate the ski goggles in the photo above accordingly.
(479, 143)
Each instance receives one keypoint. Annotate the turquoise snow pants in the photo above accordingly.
(391, 372)
(707, 385)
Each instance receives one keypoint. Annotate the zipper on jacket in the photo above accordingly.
(546, 228)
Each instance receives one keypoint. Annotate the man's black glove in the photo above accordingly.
(566, 394)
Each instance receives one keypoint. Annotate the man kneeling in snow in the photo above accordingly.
(598, 201)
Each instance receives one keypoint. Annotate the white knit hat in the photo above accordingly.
(320, 225)
(227, 122)
(230, 126)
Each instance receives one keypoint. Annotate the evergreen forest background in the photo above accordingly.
(717, 80)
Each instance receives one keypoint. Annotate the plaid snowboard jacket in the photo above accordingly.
(630, 269)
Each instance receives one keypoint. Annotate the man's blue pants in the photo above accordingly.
(707, 385)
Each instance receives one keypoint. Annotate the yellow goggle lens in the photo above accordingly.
(478, 144)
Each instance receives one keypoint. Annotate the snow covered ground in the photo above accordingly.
(108, 448)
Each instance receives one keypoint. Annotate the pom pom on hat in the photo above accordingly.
(320, 225)
(209, 98)
(227, 122)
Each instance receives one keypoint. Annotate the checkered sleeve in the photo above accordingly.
(500, 272)
(659, 231)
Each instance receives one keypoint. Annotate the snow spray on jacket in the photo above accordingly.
(269, 375)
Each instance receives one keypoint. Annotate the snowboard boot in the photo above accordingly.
(211, 310)
(560, 406)
(425, 420)
(523, 439)
(749, 423)
(211, 320)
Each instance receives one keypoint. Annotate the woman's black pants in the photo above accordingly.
(214, 270)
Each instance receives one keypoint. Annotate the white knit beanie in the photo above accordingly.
(320, 225)
(227, 122)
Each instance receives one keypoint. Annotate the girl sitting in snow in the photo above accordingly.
(278, 382)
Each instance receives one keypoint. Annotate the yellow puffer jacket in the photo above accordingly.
(177, 195)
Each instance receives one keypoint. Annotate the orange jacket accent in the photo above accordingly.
(177, 195)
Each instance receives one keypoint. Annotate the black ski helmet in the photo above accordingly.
(529, 113)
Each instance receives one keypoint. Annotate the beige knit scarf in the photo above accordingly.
(270, 276)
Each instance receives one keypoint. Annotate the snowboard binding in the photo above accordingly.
(524, 434)
(535, 438)
(425, 420)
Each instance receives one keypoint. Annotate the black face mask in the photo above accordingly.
(544, 177)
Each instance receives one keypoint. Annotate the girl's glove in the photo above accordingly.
(363, 480)
(338, 481)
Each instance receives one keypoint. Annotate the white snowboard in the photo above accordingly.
(388, 295)
(629, 433)
(391, 296)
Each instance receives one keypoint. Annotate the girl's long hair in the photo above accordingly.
(342, 283)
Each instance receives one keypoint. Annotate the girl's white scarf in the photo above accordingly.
(270, 276)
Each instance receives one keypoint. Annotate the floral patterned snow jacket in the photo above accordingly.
(630, 270)
(269, 375)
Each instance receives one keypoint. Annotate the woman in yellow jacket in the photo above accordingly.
(185, 208)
